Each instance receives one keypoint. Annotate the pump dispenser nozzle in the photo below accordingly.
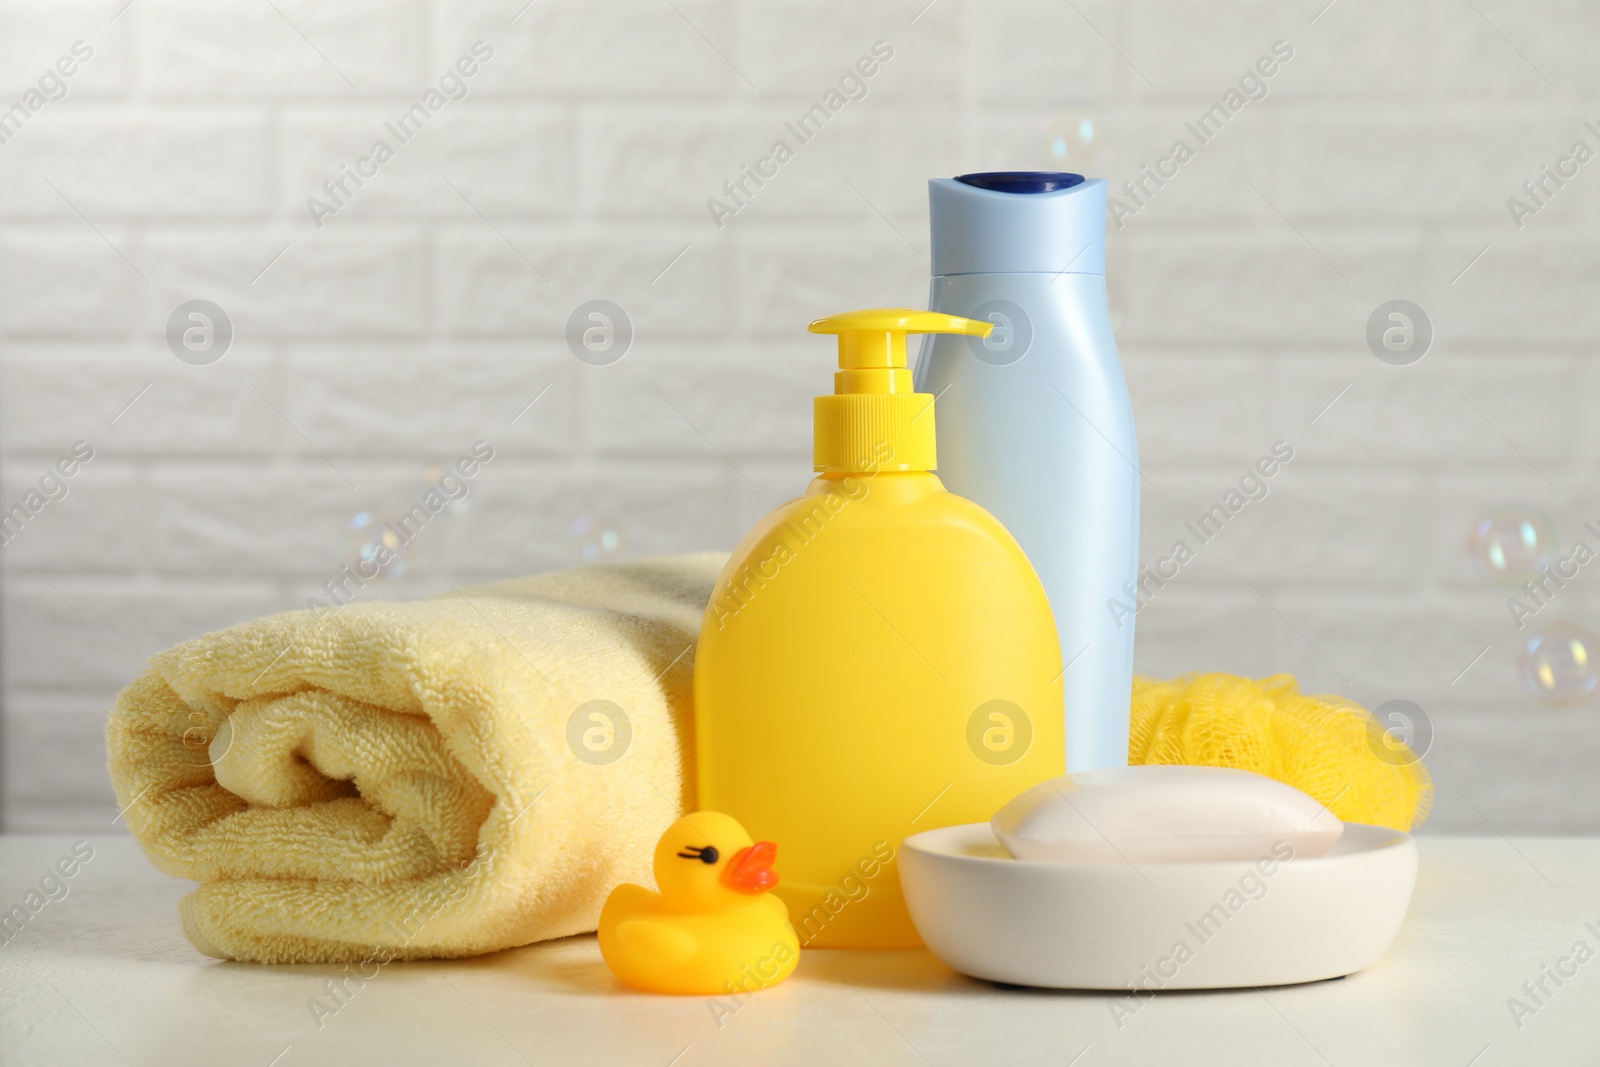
(874, 421)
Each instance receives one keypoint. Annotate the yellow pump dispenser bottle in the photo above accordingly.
(878, 657)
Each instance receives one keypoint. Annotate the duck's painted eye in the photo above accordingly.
(707, 855)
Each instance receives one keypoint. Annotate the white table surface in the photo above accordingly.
(103, 976)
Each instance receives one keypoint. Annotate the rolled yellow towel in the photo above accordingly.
(414, 780)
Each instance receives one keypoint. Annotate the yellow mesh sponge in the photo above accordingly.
(1326, 747)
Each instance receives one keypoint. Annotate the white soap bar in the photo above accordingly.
(1164, 814)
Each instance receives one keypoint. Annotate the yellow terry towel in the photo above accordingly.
(403, 781)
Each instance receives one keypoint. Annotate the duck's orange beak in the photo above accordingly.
(750, 870)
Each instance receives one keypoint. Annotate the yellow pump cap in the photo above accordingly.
(873, 421)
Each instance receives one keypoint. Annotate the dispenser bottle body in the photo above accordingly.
(1035, 425)
(878, 658)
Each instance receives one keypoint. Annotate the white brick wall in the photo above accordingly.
(422, 317)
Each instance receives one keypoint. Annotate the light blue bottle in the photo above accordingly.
(1034, 420)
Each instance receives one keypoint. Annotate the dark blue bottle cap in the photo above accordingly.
(1021, 181)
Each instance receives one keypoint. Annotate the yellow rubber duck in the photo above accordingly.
(713, 928)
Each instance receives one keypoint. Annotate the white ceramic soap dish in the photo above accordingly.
(1208, 925)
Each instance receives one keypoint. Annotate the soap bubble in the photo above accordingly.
(1074, 136)
(596, 539)
(1512, 544)
(375, 548)
(1561, 666)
